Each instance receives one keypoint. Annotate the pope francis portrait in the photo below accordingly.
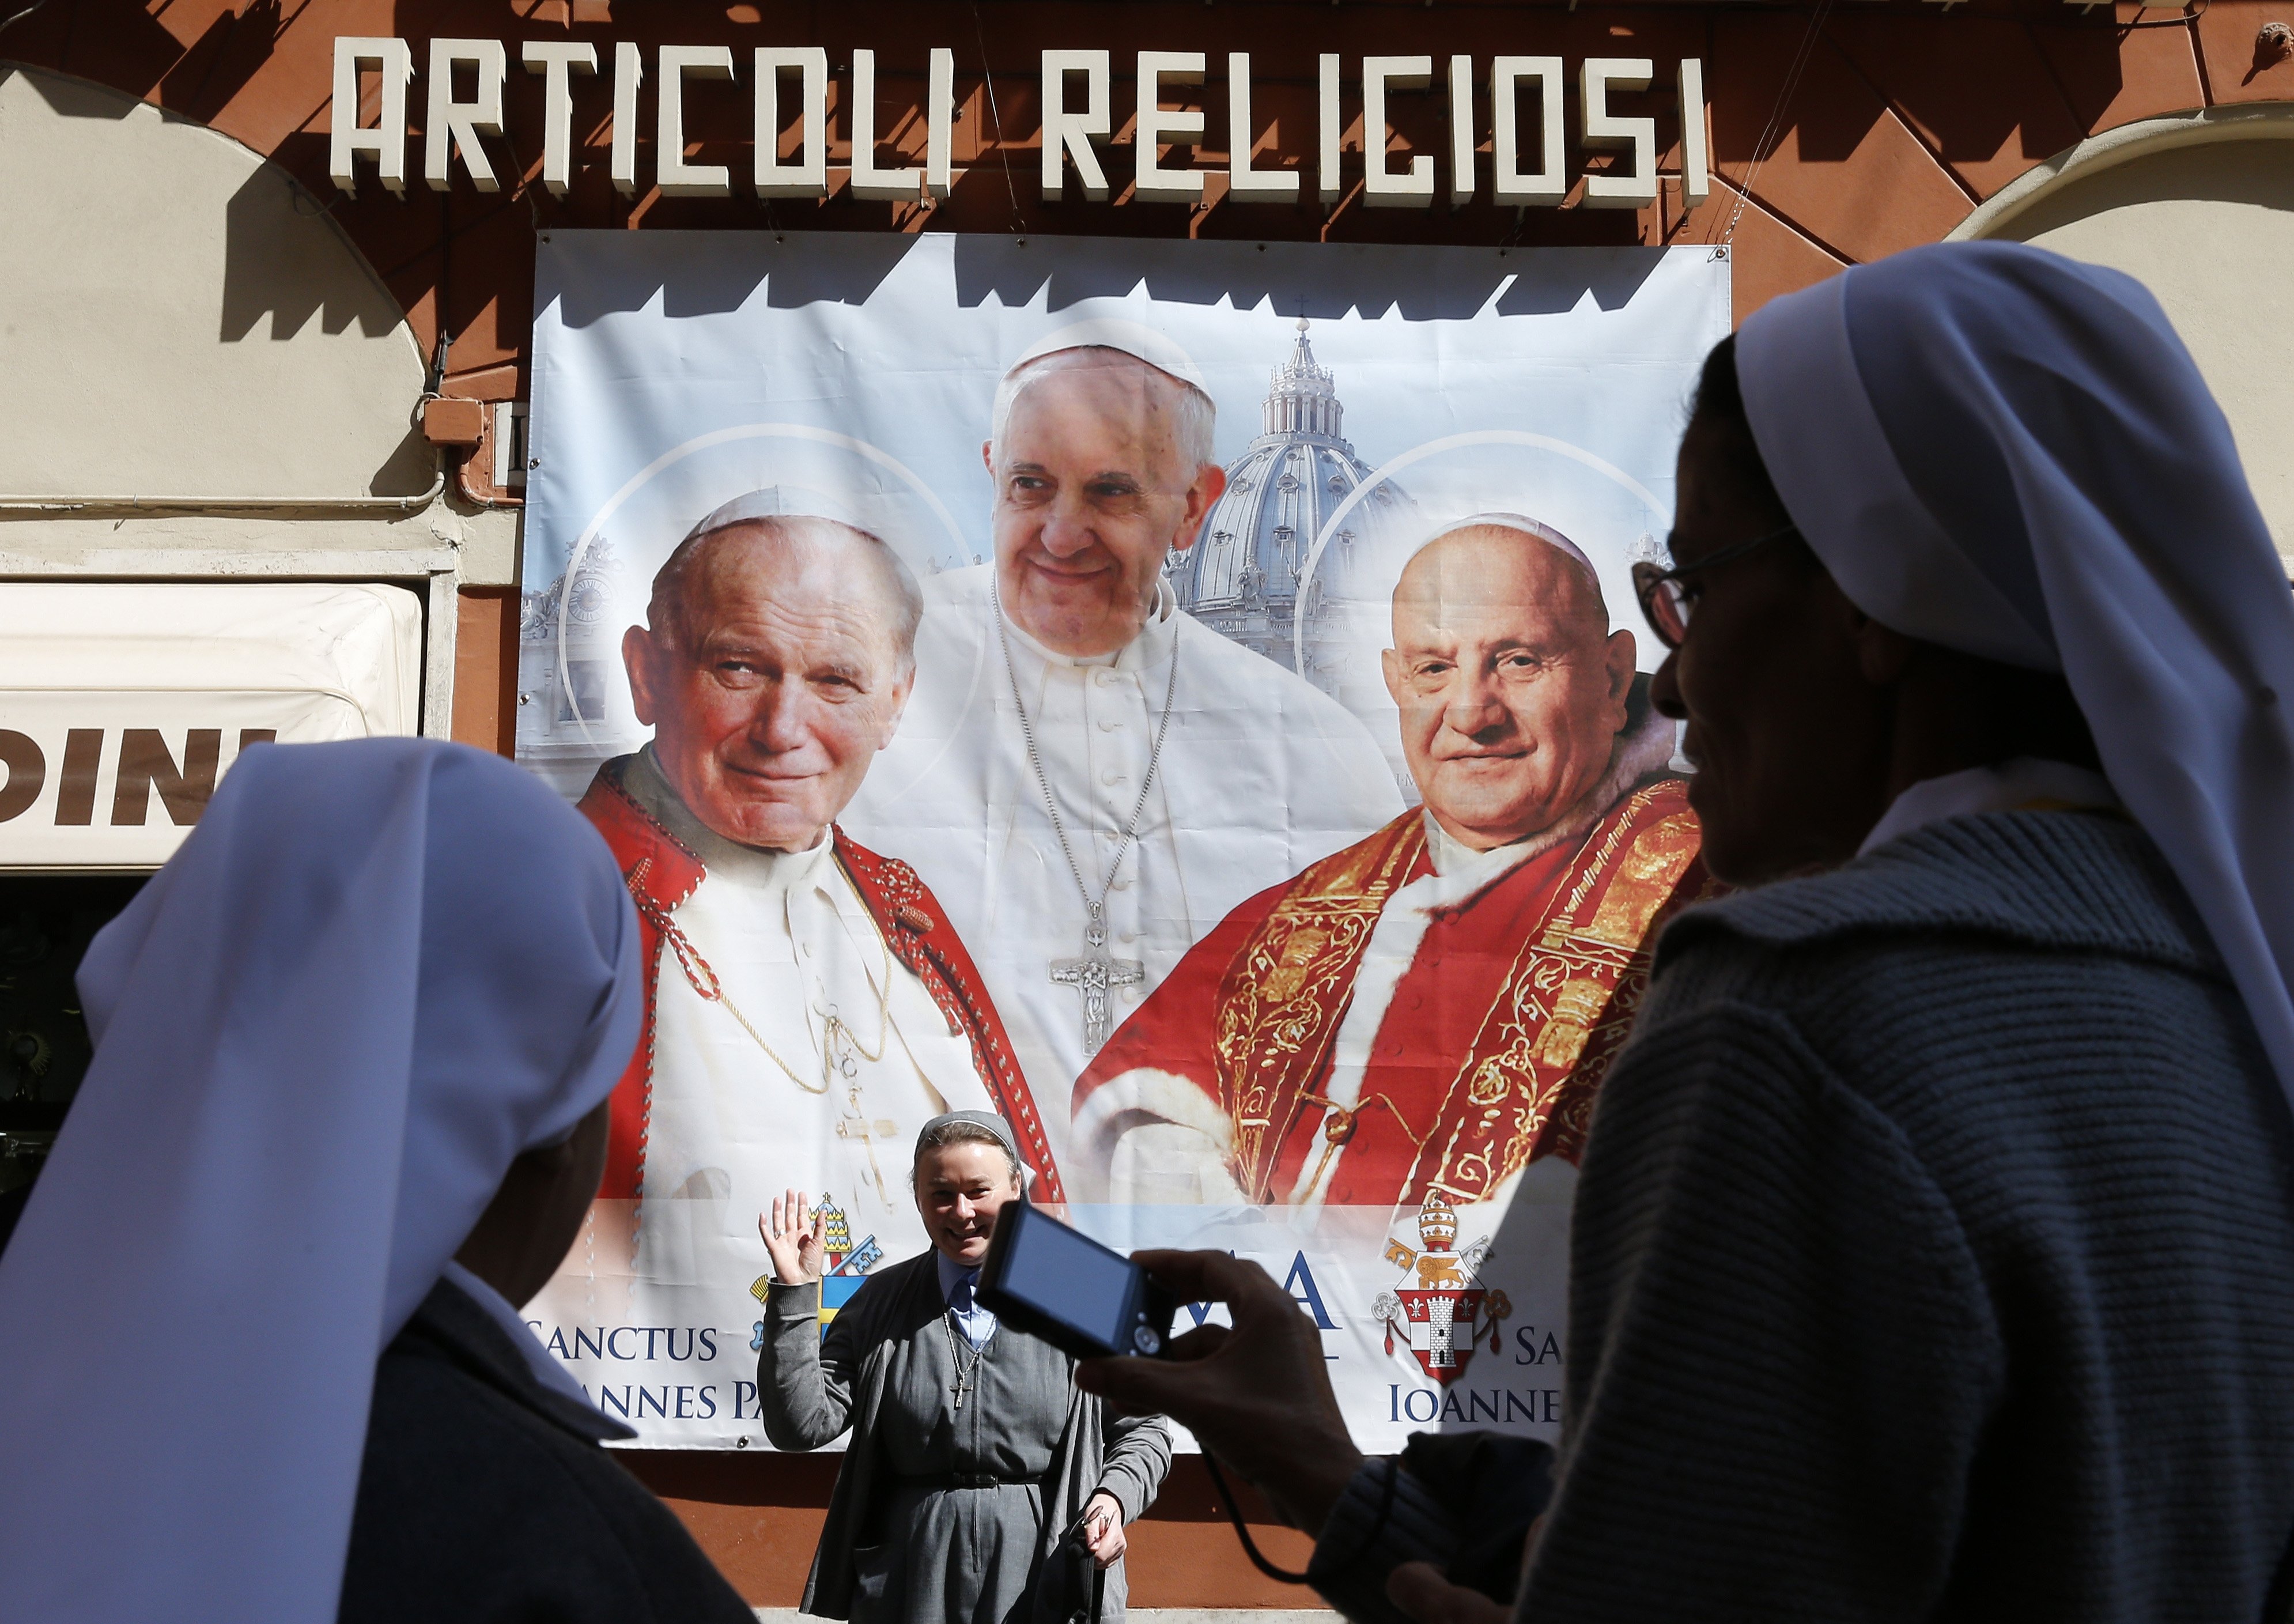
(809, 1003)
(1088, 777)
(1430, 1009)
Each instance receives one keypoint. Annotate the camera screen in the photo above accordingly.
(1075, 1280)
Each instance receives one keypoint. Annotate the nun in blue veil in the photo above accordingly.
(1932, 1254)
(260, 1360)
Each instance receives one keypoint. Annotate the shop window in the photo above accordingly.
(45, 924)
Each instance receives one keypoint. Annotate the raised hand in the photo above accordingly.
(792, 1236)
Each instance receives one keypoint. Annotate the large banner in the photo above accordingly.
(1219, 663)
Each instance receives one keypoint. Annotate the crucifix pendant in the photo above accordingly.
(962, 1386)
(1093, 975)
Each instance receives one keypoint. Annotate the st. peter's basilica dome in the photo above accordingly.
(1241, 577)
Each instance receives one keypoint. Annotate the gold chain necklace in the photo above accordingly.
(702, 976)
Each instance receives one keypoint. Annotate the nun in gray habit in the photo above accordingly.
(979, 1486)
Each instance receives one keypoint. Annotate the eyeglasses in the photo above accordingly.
(1665, 602)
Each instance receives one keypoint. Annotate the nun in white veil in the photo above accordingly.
(1932, 1254)
(364, 1020)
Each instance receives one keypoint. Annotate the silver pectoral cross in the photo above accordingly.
(1092, 974)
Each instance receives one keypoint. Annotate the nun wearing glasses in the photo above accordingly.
(979, 1486)
(1932, 1256)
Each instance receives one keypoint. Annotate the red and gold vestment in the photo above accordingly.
(1487, 1052)
(662, 872)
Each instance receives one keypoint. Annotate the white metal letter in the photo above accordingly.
(394, 63)
(807, 176)
(1382, 188)
(1629, 187)
(1461, 129)
(1695, 168)
(463, 122)
(558, 61)
(629, 73)
(1547, 183)
(1244, 183)
(939, 124)
(1069, 133)
(868, 180)
(677, 178)
(1156, 124)
(1330, 136)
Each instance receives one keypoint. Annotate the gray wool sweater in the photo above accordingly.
(812, 1387)
(1932, 1256)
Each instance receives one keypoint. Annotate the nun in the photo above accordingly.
(260, 1359)
(1932, 1256)
(979, 1486)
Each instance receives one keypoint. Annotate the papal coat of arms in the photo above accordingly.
(848, 1267)
(1447, 1312)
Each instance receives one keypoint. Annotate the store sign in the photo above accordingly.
(125, 705)
(109, 794)
(1276, 1020)
(1523, 98)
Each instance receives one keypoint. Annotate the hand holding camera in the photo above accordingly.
(1258, 1396)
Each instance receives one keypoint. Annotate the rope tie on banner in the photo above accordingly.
(14, 18)
(995, 117)
(1773, 131)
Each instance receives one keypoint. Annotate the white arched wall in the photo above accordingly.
(181, 318)
(2200, 208)
(204, 378)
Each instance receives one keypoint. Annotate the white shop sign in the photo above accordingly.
(122, 705)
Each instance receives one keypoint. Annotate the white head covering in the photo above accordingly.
(1157, 348)
(777, 501)
(2012, 455)
(376, 972)
(1198, 413)
(1528, 525)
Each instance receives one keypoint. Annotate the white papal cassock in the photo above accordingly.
(792, 944)
(1261, 774)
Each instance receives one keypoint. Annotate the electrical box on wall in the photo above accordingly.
(453, 422)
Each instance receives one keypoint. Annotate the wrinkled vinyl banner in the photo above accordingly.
(1322, 1024)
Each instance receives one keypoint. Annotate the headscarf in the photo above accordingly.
(375, 974)
(988, 1120)
(2010, 453)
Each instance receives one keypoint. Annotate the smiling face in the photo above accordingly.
(960, 1188)
(775, 681)
(1511, 686)
(1092, 493)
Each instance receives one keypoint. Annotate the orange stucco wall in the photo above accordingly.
(1906, 115)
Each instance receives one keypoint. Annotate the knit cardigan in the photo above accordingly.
(812, 1388)
(1932, 1257)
